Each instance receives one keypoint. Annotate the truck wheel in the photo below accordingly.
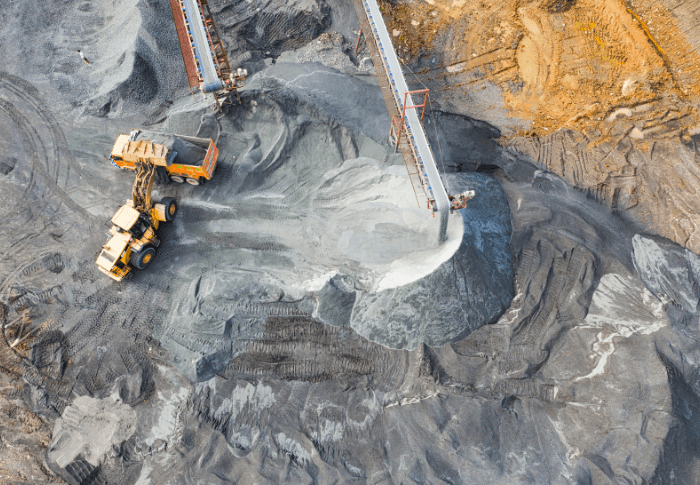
(170, 208)
(177, 179)
(192, 181)
(142, 259)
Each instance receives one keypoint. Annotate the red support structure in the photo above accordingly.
(359, 36)
(185, 47)
(424, 92)
(230, 80)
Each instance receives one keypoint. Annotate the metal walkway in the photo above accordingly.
(420, 153)
(203, 51)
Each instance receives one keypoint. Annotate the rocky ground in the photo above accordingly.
(604, 94)
(299, 325)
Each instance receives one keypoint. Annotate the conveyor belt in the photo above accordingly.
(425, 161)
(202, 51)
(185, 46)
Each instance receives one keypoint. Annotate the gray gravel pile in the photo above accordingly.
(298, 325)
(252, 33)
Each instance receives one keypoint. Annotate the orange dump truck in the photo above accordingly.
(182, 158)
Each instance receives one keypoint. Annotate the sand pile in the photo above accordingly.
(556, 64)
(280, 336)
(306, 203)
(602, 93)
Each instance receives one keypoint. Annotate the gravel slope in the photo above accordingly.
(281, 336)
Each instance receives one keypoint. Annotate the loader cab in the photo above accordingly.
(126, 218)
(140, 227)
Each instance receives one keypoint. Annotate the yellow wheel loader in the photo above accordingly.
(134, 240)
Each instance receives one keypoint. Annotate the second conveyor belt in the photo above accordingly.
(202, 49)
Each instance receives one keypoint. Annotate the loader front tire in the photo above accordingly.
(170, 208)
(143, 259)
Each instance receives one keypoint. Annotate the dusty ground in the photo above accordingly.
(25, 436)
(603, 93)
(289, 330)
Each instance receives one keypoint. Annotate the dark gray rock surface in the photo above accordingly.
(557, 343)
(269, 28)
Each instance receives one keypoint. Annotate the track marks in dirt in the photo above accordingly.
(557, 276)
(559, 67)
(656, 182)
(236, 240)
(55, 390)
(673, 31)
(43, 137)
(300, 348)
(40, 219)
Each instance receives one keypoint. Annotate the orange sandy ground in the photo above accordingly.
(559, 63)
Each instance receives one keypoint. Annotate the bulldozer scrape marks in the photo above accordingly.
(558, 63)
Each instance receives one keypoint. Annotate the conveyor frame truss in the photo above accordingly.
(229, 80)
(406, 132)
(411, 161)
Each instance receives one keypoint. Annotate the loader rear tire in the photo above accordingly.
(143, 259)
(170, 208)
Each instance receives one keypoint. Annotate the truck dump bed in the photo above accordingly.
(190, 150)
(187, 156)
